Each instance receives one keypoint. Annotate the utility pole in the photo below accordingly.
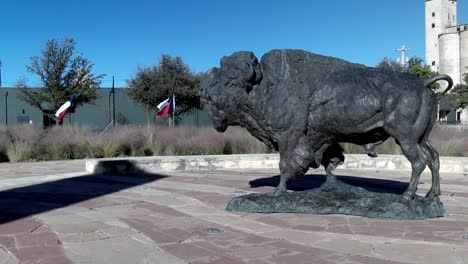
(109, 112)
(6, 108)
(6, 95)
(113, 101)
(403, 59)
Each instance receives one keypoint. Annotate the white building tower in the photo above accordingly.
(440, 14)
(447, 45)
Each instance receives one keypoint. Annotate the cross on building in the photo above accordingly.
(403, 59)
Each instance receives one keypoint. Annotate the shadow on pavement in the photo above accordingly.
(38, 198)
(312, 181)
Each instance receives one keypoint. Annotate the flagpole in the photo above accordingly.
(173, 110)
(113, 101)
(173, 98)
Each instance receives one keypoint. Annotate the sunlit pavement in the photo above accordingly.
(53, 212)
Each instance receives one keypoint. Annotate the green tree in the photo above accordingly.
(414, 66)
(390, 65)
(63, 72)
(151, 85)
(459, 94)
(143, 86)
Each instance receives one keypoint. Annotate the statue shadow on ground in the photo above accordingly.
(373, 198)
(26, 201)
(314, 181)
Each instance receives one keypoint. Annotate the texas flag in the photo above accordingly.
(64, 109)
(166, 106)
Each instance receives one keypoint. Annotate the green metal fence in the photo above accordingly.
(96, 116)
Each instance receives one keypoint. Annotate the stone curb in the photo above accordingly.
(157, 164)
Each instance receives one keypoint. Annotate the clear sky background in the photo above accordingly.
(119, 35)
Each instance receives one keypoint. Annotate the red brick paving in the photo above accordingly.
(180, 231)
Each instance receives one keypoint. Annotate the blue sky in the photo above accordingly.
(120, 35)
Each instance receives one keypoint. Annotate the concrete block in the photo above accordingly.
(381, 164)
(270, 163)
(257, 164)
(352, 165)
(367, 164)
(245, 164)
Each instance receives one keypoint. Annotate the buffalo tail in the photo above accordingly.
(440, 77)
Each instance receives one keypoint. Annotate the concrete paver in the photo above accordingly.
(54, 212)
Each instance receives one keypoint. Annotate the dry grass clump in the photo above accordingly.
(64, 142)
(19, 151)
(4, 141)
(450, 141)
(24, 143)
(16, 143)
(121, 141)
(186, 140)
(389, 147)
(240, 141)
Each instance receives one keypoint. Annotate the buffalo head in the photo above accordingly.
(224, 91)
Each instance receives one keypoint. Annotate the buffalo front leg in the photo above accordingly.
(285, 176)
(281, 188)
(294, 162)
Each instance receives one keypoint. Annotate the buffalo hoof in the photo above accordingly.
(278, 191)
(335, 184)
(432, 194)
(408, 195)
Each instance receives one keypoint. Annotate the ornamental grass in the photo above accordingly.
(30, 143)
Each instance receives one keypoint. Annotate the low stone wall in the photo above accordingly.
(254, 161)
(179, 163)
(399, 162)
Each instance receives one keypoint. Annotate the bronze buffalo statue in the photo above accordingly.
(303, 105)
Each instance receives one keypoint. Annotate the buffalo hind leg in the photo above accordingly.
(332, 158)
(413, 153)
(433, 162)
